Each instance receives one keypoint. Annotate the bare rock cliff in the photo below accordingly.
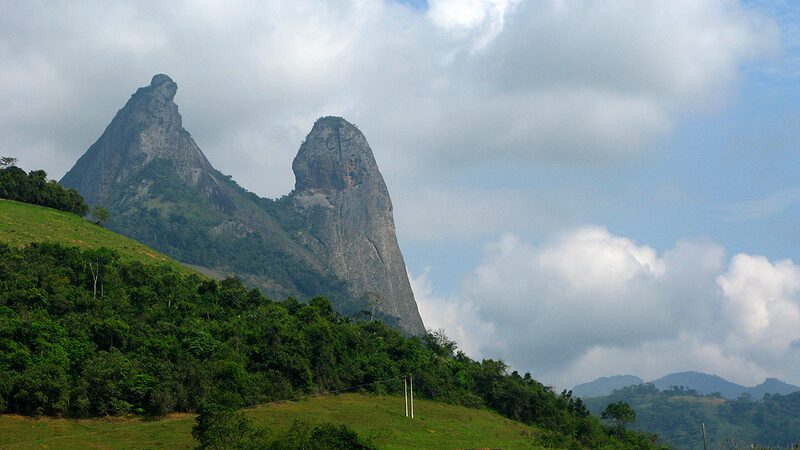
(342, 195)
(333, 236)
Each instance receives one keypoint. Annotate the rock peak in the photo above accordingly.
(159, 79)
(161, 87)
(342, 195)
(335, 156)
(335, 122)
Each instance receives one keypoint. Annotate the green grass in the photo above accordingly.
(436, 425)
(21, 224)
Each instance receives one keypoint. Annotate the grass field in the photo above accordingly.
(21, 224)
(381, 418)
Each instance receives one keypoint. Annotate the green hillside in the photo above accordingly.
(87, 332)
(22, 224)
(436, 425)
(676, 414)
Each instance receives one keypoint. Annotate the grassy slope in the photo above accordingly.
(436, 425)
(21, 224)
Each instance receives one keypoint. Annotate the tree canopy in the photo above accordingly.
(34, 188)
(85, 333)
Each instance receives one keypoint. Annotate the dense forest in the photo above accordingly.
(34, 188)
(84, 333)
(677, 415)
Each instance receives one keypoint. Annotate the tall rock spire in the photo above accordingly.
(341, 192)
(147, 128)
(334, 236)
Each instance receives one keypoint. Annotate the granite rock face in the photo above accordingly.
(333, 235)
(146, 129)
(341, 194)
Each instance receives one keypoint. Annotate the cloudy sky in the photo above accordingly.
(582, 188)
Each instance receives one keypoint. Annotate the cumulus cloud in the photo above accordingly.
(590, 303)
(762, 303)
(465, 81)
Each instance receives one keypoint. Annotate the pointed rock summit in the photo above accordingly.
(333, 236)
(341, 193)
(146, 130)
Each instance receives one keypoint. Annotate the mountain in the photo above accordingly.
(702, 383)
(708, 384)
(333, 235)
(346, 216)
(772, 386)
(676, 414)
(605, 385)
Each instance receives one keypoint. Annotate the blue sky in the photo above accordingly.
(625, 166)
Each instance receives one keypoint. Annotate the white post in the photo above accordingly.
(412, 395)
(405, 394)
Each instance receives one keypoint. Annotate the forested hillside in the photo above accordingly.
(87, 330)
(677, 415)
(87, 333)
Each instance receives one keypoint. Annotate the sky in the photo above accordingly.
(581, 188)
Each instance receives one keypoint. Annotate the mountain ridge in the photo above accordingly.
(332, 235)
(703, 383)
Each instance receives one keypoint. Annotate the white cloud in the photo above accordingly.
(762, 302)
(459, 319)
(486, 17)
(466, 82)
(590, 303)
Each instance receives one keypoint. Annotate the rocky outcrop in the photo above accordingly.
(341, 194)
(146, 129)
(334, 235)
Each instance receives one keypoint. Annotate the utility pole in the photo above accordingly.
(412, 395)
(405, 394)
(705, 440)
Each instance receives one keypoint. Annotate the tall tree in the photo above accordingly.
(7, 161)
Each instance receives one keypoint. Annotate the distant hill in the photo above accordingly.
(676, 415)
(708, 384)
(702, 383)
(772, 386)
(605, 385)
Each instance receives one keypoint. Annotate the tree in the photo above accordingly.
(100, 214)
(218, 427)
(620, 414)
(7, 161)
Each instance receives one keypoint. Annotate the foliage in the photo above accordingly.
(34, 188)
(619, 414)
(676, 415)
(220, 428)
(179, 221)
(87, 333)
(7, 161)
(101, 215)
